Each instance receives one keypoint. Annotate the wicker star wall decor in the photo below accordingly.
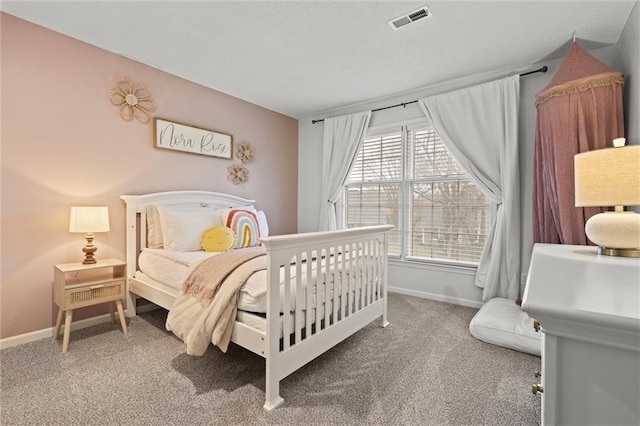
(134, 100)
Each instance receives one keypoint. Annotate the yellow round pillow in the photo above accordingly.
(218, 238)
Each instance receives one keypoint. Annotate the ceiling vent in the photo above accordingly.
(410, 18)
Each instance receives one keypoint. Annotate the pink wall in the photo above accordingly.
(63, 143)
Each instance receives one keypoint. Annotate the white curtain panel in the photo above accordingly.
(342, 139)
(479, 127)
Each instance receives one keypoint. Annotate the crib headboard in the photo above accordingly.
(136, 214)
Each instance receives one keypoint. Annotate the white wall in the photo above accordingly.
(436, 282)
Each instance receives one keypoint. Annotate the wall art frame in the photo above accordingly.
(186, 138)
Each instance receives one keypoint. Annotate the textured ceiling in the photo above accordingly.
(303, 58)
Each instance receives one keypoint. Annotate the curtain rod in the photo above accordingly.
(404, 104)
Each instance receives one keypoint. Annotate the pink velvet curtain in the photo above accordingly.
(579, 110)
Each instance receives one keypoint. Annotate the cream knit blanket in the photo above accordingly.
(206, 309)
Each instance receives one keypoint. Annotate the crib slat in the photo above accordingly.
(309, 291)
(318, 262)
(334, 285)
(381, 259)
(359, 289)
(344, 282)
(385, 281)
(286, 311)
(327, 285)
(143, 229)
(363, 274)
(366, 273)
(297, 322)
(376, 271)
(352, 249)
(337, 282)
(363, 268)
(370, 260)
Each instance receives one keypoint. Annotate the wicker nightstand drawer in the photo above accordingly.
(76, 285)
(94, 294)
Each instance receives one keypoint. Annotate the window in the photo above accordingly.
(407, 178)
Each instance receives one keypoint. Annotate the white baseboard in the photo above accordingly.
(439, 297)
(47, 333)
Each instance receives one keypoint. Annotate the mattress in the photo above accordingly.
(259, 322)
(255, 320)
(170, 268)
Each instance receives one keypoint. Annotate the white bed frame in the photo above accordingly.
(367, 248)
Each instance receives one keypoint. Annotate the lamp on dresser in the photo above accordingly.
(89, 220)
(611, 177)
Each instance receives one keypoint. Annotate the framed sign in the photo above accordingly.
(181, 137)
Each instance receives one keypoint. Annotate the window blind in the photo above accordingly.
(373, 194)
(408, 179)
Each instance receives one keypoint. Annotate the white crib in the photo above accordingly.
(361, 293)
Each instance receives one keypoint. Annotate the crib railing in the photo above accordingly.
(338, 284)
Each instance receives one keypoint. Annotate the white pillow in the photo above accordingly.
(154, 225)
(182, 230)
(262, 223)
(154, 228)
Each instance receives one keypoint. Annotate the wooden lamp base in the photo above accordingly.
(89, 249)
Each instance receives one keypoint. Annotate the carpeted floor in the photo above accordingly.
(424, 368)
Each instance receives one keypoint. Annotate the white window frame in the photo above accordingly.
(406, 205)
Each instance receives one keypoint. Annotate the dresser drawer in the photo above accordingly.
(94, 293)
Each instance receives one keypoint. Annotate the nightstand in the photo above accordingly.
(77, 285)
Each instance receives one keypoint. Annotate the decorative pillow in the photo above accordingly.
(154, 229)
(263, 226)
(218, 238)
(182, 230)
(245, 225)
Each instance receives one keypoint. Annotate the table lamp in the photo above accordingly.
(89, 220)
(611, 177)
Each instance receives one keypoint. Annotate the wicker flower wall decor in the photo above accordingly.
(246, 153)
(238, 174)
(134, 100)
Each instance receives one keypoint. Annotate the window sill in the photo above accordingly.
(434, 266)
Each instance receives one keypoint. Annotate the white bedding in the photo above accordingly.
(171, 268)
(257, 321)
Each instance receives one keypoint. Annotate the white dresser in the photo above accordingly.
(588, 307)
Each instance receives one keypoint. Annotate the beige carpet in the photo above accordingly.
(424, 368)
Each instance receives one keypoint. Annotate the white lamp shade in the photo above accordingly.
(608, 177)
(89, 219)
